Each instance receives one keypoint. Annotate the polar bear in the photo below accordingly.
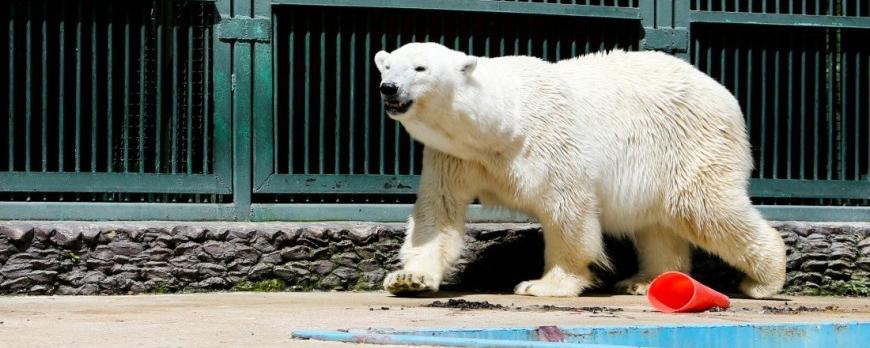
(637, 144)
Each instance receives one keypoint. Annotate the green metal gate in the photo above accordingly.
(264, 110)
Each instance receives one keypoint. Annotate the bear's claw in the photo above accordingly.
(408, 283)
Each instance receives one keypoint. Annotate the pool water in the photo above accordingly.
(763, 335)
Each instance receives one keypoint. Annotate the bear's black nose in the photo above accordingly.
(389, 89)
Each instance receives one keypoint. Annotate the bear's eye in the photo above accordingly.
(420, 69)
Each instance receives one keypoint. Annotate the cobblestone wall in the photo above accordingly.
(87, 259)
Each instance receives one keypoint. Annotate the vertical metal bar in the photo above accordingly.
(189, 97)
(830, 111)
(803, 101)
(142, 72)
(44, 87)
(367, 95)
(816, 100)
(382, 116)
(790, 100)
(776, 72)
(397, 131)
(764, 114)
(61, 91)
(11, 84)
(291, 95)
(94, 91)
(78, 105)
(109, 86)
(857, 100)
(321, 130)
(338, 88)
(352, 98)
(174, 126)
(749, 76)
(844, 73)
(28, 93)
(126, 123)
(307, 90)
(206, 112)
(276, 57)
(158, 115)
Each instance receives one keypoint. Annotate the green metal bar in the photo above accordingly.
(11, 84)
(291, 93)
(174, 127)
(262, 76)
(276, 57)
(142, 72)
(111, 182)
(78, 100)
(206, 112)
(340, 183)
(477, 213)
(61, 90)
(28, 92)
(857, 124)
(367, 79)
(791, 20)
(479, 6)
(44, 87)
(776, 115)
(844, 73)
(830, 112)
(223, 105)
(158, 115)
(749, 79)
(803, 103)
(790, 108)
(115, 211)
(126, 123)
(189, 98)
(397, 129)
(110, 116)
(764, 114)
(382, 116)
(369, 212)
(352, 98)
(94, 84)
(816, 125)
(337, 133)
(321, 129)
(793, 188)
(307, 90)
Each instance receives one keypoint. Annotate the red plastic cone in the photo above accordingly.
(674, 292)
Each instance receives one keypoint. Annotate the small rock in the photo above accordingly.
(299, 252)
(125, 248)
(348, 259)
(42, 277)
(211, 269)
(331, 282)
(290, 273)
(211, 283)
(67, 237)
(218, 234)
(346, 273)
(259, 271)
(369, 265)
(362, 234)
(262, 245)
(240, 234)
(89, 235)
(157, 254)
(188, 248)
(271, 258)
(16, 284)
(88, 289)
(158, 274)
(322, 267)
(217, 250)
(17, 234)
(188, 233)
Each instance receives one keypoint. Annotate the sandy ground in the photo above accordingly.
(267, 319)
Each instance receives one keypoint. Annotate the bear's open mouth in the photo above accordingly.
(395, 107)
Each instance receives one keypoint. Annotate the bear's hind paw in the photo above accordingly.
(409, 283)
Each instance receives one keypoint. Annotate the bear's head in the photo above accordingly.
(417, 73)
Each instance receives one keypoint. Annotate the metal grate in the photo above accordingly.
(329, 117)
(847, 8)
(803, 92)
(92, 87)
(618, 3)
(96, 86)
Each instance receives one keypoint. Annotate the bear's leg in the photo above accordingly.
(743, 239)
(569, 249)
(436, 227)
(658, 250)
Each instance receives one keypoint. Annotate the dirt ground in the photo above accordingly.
(267, 319)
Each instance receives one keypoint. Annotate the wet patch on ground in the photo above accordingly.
(485, 305)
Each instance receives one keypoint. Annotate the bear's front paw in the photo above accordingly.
(633, 286)
(409, 283)
(542, 288)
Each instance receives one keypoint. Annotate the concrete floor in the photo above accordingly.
(267, 319)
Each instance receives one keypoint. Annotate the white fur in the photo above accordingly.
(639, 144)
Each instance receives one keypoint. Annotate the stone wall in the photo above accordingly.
(87, 259)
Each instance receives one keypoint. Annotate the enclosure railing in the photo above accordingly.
(265, 110)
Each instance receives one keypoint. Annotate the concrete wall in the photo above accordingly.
(110, 258)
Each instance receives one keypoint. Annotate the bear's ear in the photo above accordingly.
(468, 65)
(380, 58)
